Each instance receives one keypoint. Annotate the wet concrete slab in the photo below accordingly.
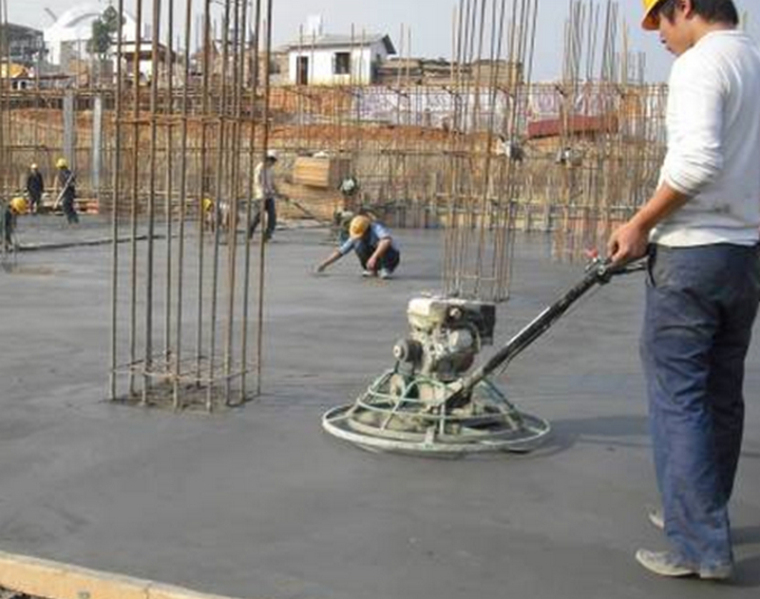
(259, 502)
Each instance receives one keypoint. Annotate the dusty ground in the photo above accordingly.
(259, 502)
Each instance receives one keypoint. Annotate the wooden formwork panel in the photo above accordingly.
(54, 580)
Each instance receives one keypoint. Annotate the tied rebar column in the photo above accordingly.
(493, 43)
(178, 180)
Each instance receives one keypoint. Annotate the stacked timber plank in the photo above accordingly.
(304, 202)
(314, 188)
(323, 173)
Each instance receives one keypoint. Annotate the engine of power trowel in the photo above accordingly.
(445, 336)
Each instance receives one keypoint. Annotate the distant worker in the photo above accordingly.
(12, 210)
(216, 215)
(34, 187)
(67, 183)
(349, 187)
(265, 191)
(340, 225)
(374, 246)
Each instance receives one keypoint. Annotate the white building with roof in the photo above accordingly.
(317, 58)
(66, 39)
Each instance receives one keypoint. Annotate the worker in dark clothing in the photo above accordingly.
(34, 187)
(8, 216)
(67, 182)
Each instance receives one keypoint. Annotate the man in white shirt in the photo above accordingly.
(700, 230)
(265, 191)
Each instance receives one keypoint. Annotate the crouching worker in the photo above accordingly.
(215, 215)
(374, 246)
(10, 212)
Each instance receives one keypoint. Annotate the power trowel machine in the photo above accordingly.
(429, 404)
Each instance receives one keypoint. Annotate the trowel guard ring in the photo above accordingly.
(401, 415)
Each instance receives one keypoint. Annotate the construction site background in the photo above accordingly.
(598, 150)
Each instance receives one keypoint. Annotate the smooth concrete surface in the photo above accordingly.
(259, 502)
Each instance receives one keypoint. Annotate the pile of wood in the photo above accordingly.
(322, 173)
(314, 188)
(309, 202)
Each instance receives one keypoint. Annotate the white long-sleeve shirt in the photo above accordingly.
(713, 155)
(263, 182)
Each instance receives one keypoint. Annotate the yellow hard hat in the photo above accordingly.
(358, 227)
(33, 166)
(649, 23)
(208, 203)
(61, 163)
(19, 205)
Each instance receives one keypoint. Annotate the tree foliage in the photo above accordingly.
(103, 29)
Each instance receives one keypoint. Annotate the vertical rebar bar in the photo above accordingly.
(115, 193)
(135, 198)
(264, 149)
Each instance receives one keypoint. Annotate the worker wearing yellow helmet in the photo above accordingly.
(16, 207)
(699, 233)
(35, 187)
(67, 186)
(373, 244)
(19, 205)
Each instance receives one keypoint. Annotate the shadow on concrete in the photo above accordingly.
(611, 431)
(746, 535)
(605, 426)
(747, 572)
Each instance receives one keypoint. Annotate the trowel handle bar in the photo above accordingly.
(598, 273)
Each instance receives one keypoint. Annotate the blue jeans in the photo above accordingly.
(701, 303)
(388, 261)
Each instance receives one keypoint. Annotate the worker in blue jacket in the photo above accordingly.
(374, 246)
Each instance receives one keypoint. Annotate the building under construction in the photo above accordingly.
(129, 342)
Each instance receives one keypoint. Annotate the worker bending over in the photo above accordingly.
(374, 246)
(11, 211)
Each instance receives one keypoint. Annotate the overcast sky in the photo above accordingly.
(430, 22)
